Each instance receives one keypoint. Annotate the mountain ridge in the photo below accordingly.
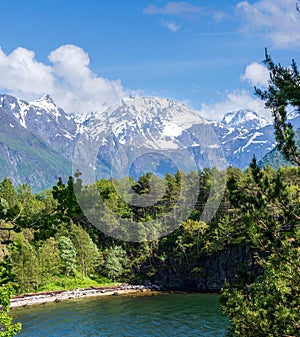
(160, 124)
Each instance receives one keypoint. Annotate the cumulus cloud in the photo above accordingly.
(239, 99)
(278, 21)
(68, 79)
(256, 74)
(67, 58)
(21, 72)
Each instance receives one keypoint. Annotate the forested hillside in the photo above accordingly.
(47, 239)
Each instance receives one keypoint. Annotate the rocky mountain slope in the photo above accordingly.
(28, 145)
(172, 130)
(148, 134)
(39, 141)
(242, 134)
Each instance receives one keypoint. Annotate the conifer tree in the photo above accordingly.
(282, 95)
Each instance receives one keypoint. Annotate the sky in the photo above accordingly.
(89, 54)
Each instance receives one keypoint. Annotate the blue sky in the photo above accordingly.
(89, 54)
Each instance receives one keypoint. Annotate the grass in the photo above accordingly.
(69, 283)
(63, 282)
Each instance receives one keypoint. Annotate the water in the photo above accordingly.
(164, 315)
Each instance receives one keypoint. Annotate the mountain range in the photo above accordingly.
(40, 142)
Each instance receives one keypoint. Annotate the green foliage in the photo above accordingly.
(283, 92)
(65, 195)
(270, 305)
(61, 282)
(25, 265)
(190, 239)
(9, 200)
(49, 261)
(88, 256)
(7, 328)
(270, 207)
(67, 254)
(116, 262)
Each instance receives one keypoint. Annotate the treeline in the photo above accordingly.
(46, 238)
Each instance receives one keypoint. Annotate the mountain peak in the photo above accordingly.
(44, 102)
(244, 117)
(146, 108)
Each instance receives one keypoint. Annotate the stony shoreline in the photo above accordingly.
(57, 296)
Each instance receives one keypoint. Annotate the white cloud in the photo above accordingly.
(239, 99)
(184, 11)
(66, 59)
(256, 74)
(174, 9)
(278, 21)
(172, 26)
(20, 72)
(68, 79)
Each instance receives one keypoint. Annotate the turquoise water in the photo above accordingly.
(131, 316)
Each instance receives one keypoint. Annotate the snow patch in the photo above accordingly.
(253, 141)
(171, 129)
(67, 135)
(23, 112)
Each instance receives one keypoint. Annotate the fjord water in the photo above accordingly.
(131, 316)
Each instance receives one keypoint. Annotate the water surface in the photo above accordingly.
(131, 316)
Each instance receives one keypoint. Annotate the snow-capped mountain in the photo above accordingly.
(244, 118)
(25, 157)
(172, 130)
(242, 134)
(45, 119)
(148, 134)
(137, 135)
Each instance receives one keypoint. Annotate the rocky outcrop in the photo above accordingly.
(209, 273)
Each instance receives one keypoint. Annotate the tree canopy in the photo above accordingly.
(269, 305)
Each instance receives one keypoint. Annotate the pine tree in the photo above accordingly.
(269, 305)
(283, 94)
